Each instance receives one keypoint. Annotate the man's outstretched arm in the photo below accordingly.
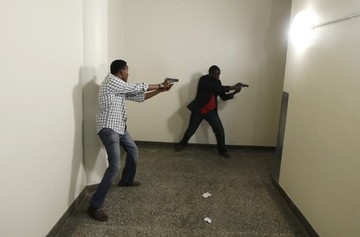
(155, 89)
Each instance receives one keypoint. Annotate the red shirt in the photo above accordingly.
(209, 106)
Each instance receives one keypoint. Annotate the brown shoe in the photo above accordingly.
(97, 214)
(131, 184)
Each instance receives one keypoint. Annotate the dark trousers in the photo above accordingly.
(214, 121)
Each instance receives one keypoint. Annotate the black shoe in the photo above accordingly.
(225, 154)
(133, 183)
(97, 214)
(179, 147)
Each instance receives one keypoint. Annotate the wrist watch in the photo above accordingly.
(161, 86)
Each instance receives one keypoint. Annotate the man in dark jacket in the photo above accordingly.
(204, 106)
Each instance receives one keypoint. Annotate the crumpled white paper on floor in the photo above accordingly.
(206, 195)
(207, 219)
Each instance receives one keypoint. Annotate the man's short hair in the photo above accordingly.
(117, 65)
(213, 69)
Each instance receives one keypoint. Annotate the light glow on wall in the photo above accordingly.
(301, 30)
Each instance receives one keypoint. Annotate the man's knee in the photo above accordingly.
(219, 132)
(132, 153)
(133, 149)
(113, 169)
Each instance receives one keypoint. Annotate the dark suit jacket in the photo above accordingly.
(206, 87)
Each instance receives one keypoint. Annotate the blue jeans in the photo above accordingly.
(214, 120)
(112, 141)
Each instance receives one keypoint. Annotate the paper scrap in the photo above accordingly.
(206, 195)
(207, 219)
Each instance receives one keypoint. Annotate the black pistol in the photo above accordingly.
(172, 79)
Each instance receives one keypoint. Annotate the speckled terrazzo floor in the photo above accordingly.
(169, 201)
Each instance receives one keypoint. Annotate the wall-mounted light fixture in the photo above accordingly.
(337, 20)
(301, 30)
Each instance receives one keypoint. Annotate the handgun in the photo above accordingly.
(242, 84)
(172, 79)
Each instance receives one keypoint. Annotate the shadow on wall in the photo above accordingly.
(77, 159)
(275, 49)
(179, 121)
(91, 143)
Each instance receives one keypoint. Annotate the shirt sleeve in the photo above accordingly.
(137, 97)
(118, 86)
(213, 85)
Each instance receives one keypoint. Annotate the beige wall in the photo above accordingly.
(320, 164)
(95, 57)
(54, 56)
(47, 60)
(41, 171)
(182, 39)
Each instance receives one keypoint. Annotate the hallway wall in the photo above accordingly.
(162, 39)
(320, 164)
(182, 39)
(41, 171)
(52, 61)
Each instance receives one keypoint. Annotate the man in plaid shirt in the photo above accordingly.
(111, 128)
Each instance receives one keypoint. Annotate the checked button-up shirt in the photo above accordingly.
(112, 95)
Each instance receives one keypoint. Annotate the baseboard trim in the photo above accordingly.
(295, 209)
(54, 231)
(207, 146)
